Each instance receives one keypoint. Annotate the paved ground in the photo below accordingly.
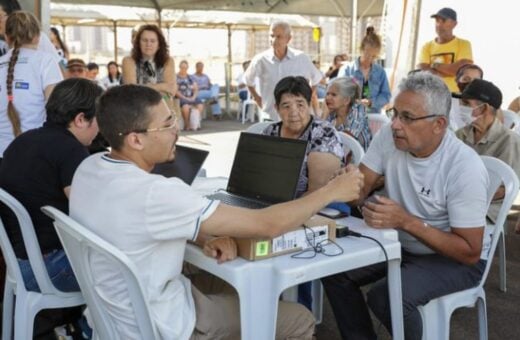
(220, 137)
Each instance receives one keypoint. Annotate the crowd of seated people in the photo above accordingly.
(433, 142)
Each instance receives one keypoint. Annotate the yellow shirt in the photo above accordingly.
(448, 53)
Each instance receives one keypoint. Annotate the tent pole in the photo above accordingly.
(353, 29)
(228, 70)
(115, 40)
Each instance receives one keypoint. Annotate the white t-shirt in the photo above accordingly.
(446, 189)
(149, 218)
(33, 72)
(270, 70)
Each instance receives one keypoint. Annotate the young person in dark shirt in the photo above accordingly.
(37, 170)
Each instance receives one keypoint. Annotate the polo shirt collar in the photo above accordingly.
(493, 134)
(289, 55)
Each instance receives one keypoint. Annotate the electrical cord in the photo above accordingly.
(345, 231)
(314, 247)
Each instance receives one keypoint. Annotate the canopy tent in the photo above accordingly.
(89, 15)
(116, 16)
(303, 7)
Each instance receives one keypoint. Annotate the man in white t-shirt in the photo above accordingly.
(437, 201)
(276, 63)
(150, 218)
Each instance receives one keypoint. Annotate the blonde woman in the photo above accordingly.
(27, 78)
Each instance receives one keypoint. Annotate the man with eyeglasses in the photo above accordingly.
(150, 218)
(485, 133)
(437, 198)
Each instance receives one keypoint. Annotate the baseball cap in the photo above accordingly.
(76, 62)
(446, 13)
(485, 91)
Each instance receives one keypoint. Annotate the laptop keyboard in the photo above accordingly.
(237, 201)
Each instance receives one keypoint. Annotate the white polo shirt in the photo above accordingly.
(270, 70)
(447, 189)
(149, 218)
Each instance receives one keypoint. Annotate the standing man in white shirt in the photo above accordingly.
(276, 63)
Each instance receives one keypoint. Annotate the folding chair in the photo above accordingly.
(79, 243)
(436, 314)
(27, 303)
(351, 145)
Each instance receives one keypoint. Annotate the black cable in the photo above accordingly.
(347, 232)
(315, 247)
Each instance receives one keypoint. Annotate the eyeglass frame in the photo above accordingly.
(407, 120)
(159, 129)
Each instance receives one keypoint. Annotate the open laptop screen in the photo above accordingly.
(186, 165)
(266, 168)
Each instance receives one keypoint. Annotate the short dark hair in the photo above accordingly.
(9, 6)
(123, 109)
(298, 86)
(70, 97)
(92, 66)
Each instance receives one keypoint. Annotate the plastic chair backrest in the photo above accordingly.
(350, 144)
(376, 121)
(32, 247)
(511, 120)
(258, 127)
(499, 174)
(79, 243)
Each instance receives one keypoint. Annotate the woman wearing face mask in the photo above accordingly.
(459, 115)
(375, 92)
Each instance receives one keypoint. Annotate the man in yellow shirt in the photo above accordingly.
(445, 54)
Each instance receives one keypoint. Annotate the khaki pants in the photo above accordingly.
(218, 312)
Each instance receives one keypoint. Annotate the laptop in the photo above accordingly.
(265, 171)
(186, 165)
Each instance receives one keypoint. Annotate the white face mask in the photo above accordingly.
(466, 114)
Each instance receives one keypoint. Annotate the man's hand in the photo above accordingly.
(347, 183)
(384, 213)
(222, 248)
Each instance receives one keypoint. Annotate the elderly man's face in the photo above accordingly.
(414, 136)
(279, 39)
(294, 112)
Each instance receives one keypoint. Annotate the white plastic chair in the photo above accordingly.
(243, 111)
(350, 144)
(436, 313)
(376, 121)
(511, 120)
(79, 243)
(28, 303)
(258, 127)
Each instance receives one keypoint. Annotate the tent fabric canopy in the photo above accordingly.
(92, 15)
(340, 8)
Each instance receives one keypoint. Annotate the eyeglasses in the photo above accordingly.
(405, 118)
(159, 129)
(149, 69)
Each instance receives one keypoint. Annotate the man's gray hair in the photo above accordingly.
(436, 94)
(347, 88)
(286, 27)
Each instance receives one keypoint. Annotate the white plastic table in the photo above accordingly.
(260, 283)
